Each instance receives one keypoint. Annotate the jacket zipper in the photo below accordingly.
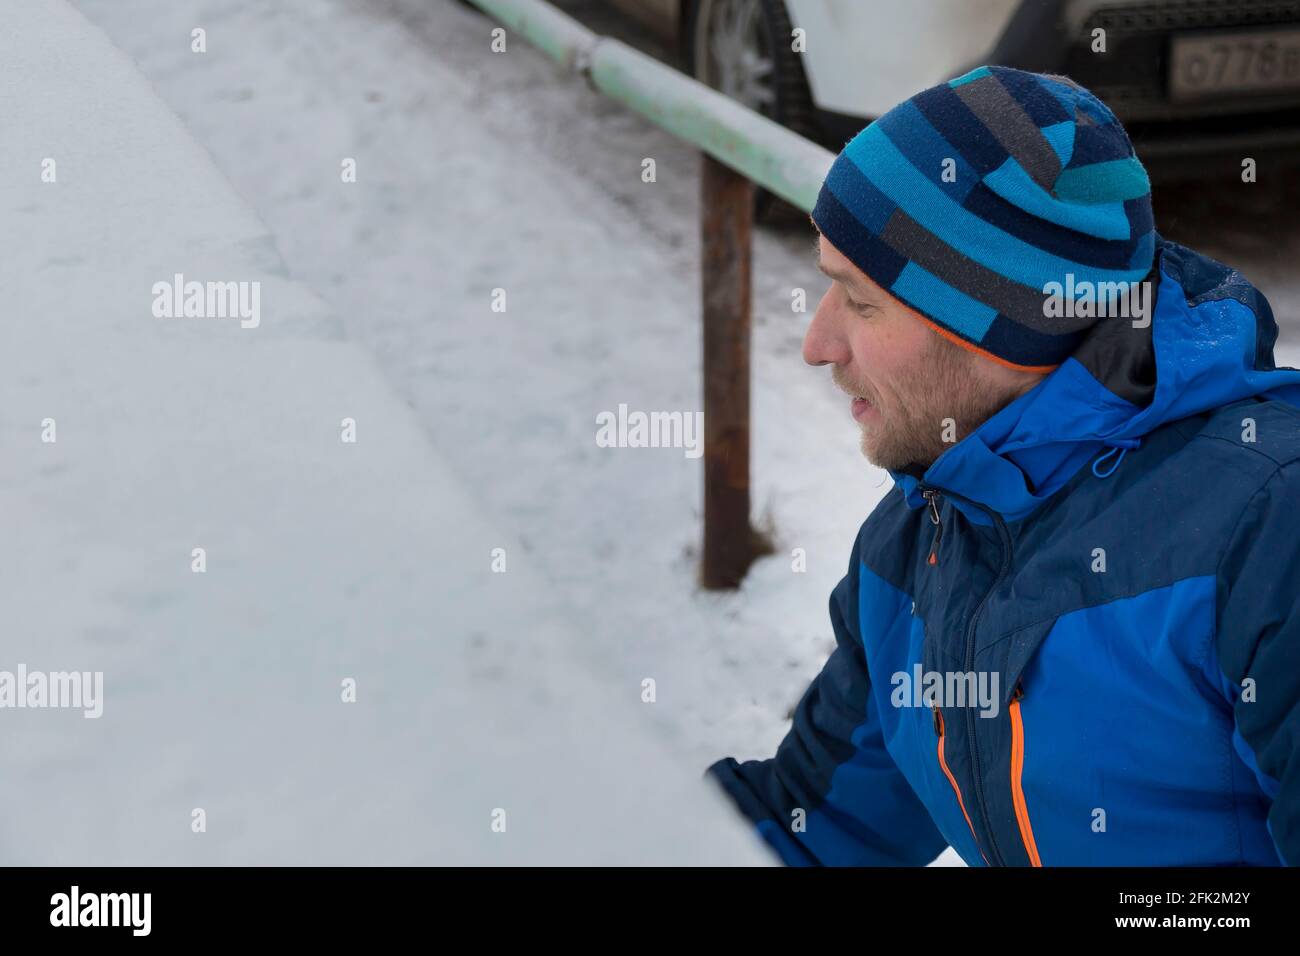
(930, 493)
(1017, 767)
(943, 765)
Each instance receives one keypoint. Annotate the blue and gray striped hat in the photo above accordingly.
(966, 201)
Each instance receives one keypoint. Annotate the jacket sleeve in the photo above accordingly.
(1258, 644)
(858, 808)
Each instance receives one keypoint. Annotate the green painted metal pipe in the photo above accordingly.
(556, 34)
(772, 156)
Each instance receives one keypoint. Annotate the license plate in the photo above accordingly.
(1221, 64)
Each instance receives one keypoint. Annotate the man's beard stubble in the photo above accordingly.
(940, 386)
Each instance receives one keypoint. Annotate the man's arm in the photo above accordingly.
(1258, 643)
(858, 809)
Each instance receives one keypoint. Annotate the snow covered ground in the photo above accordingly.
(479, 171)
(458, 193)
(307, 654)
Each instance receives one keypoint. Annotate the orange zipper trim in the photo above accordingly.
(938, 726)
(1017, 766)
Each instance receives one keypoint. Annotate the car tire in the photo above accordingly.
(751, 60)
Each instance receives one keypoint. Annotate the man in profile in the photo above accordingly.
(1070, 634)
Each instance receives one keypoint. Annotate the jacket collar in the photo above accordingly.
(1209, 343)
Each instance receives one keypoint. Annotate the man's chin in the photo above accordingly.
(890, 461)
(871, 451)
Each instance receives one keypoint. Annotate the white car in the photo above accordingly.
(1187, 77)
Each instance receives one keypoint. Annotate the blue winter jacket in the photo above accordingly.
(1117, 551)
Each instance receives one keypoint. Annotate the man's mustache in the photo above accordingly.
(849, 388)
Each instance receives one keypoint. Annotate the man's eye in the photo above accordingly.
(864, 308)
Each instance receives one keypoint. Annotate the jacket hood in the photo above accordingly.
(1209, 343)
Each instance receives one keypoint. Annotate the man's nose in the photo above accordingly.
(824, 343)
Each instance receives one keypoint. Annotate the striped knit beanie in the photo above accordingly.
(966, 201)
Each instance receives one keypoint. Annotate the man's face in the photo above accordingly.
(906, 381)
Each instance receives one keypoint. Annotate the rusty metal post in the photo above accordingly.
(726, 216)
